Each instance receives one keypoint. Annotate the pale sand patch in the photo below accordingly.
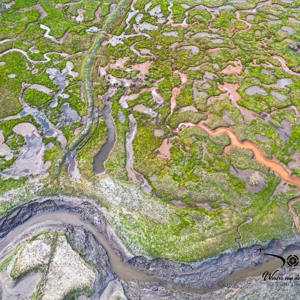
(178, 203)
(171, 33)
(80, 16)
(234, 67)
(252, 90)
(194, 50)
(176, 91)
(146, 110)
(41, 10)
(158, 132)
(41, 88)
(143, 68)
(188, 108)
(164, 149)
(231, 89)
(24, 129)
(213, 50)
(119, 63)
(205, 206)
(284, 66)
(67, 272)
(31, 158)
(35, 254)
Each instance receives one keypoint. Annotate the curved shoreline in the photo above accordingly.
(111, 135)
(196, 278)
(58, 221)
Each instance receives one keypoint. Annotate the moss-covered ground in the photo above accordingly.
(234, 65)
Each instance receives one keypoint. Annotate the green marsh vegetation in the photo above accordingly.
(199, 174)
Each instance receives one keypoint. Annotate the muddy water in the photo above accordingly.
(57, 220)
(240, 275)
(23, 289)
(279, 169)
(103, 154)
(275, 166)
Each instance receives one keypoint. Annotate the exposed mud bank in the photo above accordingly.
(153, 278)
(101, 157)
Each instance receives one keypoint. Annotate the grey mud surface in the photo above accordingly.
(136, 277)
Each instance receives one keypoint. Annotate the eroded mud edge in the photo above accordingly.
(189, 279)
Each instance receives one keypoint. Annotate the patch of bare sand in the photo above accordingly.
(164, 149)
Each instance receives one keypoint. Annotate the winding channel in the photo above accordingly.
(56, 220)
(86, 72)
(12, 233)
(279, 169)
(59, 212)
(194, 279)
